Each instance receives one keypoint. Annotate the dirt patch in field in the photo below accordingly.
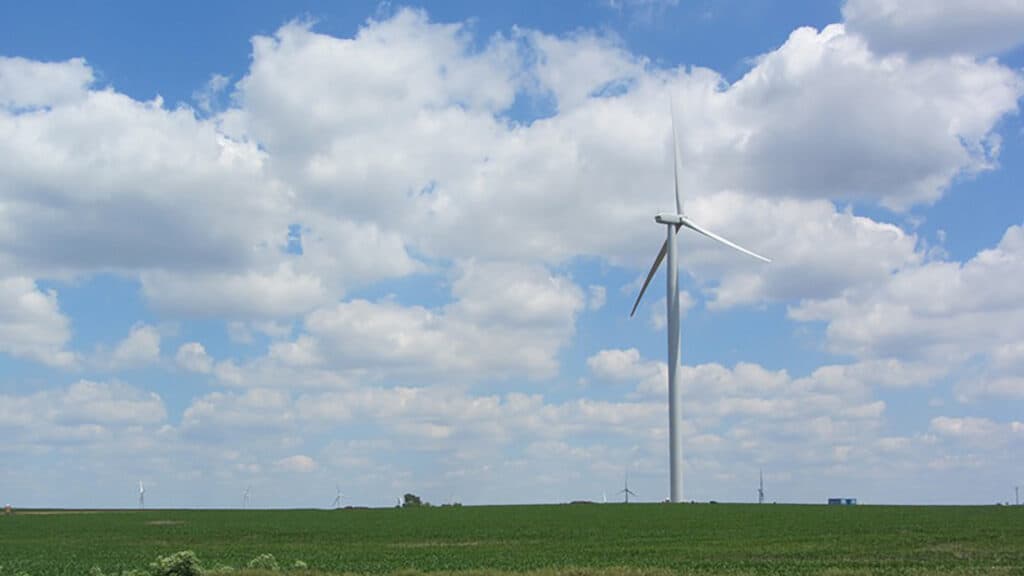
(164, 522)
(52, 512)
(436, 544)
(954, 549)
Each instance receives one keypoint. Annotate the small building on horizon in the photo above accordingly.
(842, 501)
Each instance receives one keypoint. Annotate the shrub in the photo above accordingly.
(300, 565)
(184, 563)
(264, 562)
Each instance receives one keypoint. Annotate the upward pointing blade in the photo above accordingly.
(692, 226)
(675, 158)
(654, 269)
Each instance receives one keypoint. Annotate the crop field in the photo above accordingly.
(567, 539)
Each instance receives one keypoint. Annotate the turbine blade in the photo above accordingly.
(675, 157)
(654, 268)
(692, 226)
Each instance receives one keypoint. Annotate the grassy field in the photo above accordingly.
(568, 539)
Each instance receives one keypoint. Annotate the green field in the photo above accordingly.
(567, 539)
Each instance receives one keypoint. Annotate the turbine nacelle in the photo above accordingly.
(669, 218)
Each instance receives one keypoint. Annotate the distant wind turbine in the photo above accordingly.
(760, 488)
(673, 222)
(142, 496)
(245, 497)
(337, 498)
(626, 492)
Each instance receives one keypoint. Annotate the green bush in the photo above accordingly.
(264, 562)
(184, 563)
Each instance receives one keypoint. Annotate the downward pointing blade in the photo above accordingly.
(693, 226)
(654, 269)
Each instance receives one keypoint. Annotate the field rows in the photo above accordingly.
(699, 538)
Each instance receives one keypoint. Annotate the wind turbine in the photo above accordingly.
(337, 499)
(626, 492)
(673, 222)
(245, 497)
(760, 488)
(142, 496)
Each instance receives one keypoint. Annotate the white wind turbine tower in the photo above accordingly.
(142, 496)
(760, 488)
(673, 222)
(337, 498)
(245, 497)
(626, 492)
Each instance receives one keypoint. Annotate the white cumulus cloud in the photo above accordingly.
(192, 356)
(297, 463)
(26, 84)
(936, 28)
(140, 347)
(31, 323)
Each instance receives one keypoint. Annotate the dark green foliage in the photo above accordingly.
(617, 539)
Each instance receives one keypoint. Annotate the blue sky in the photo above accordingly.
(393, 247)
